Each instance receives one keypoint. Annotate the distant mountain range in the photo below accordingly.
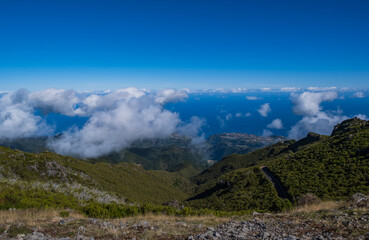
(169, 153)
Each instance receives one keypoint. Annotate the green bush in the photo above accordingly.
(64, 214)
(15, 230)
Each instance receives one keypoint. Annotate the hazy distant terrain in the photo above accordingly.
(168, 153)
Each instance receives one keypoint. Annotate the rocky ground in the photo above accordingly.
(340, 225)
(325, 221)
(149, 227)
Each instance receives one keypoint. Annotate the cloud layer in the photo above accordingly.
(275, 124)
(115, 119)
(264, 110)
(308, 103)
(315, 119)
(17, 118)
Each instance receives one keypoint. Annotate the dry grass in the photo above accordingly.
(327, 205)
(32, 216)
(164, 218)
(173, 226)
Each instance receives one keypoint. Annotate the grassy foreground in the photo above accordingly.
(14, 223)
(336, 217)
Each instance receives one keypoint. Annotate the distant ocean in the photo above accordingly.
(233, 112)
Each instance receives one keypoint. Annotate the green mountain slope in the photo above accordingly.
(166, 154)
(167, 158)
(31, 144)
(331, 167)
(236, 161)
(263, 155)
(245, 189)
(123, 181)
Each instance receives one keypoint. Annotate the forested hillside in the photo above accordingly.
(333, 167)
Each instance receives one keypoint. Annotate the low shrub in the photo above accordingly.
(64, 214)
(308, 199)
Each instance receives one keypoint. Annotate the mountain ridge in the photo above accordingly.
(329, 167)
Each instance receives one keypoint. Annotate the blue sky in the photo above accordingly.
(91, 45)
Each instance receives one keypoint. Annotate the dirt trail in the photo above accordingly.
(277, 185)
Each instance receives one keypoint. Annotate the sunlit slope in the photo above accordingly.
(331, 167)
(126, 181)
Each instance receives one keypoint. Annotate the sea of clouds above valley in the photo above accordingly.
(116, 119)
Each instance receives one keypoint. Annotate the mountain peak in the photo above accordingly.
(348, 125)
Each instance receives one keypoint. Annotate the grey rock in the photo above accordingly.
(81, 229)
(143, 224)
(360, 200)
(319, 237)
(61, 222)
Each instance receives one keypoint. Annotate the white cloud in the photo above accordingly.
(264, 109)
(321, 123)
(115, 118)
(221, 122)
(16, 122)
(308, 103)
(319, 89)
(228, 117)
(103, 102)
(266, 89)
(290, 89)
(112, 130)
(252, 98)
(358, 95)
(238, 115)
(122, 117)
(55, 100)
(170, 95)
(275, 124)
(17, 118)
(238, 90)
(314, 118)
(220, 90)
(267, 133)
(362, 116)
(186, 90)
(247, 114)
(192, 130)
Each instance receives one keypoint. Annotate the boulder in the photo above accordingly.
(360, 200)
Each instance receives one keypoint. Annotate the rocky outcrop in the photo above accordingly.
(348, 125)
(360, 200)
(310, 138)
